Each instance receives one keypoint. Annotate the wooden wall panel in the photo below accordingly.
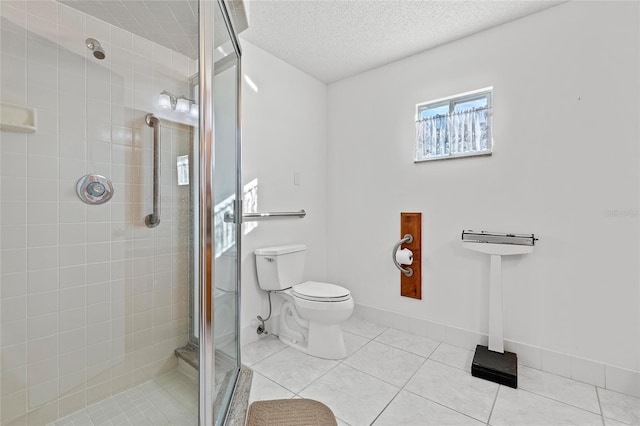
(411, 223)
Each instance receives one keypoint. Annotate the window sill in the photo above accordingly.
(451, 157)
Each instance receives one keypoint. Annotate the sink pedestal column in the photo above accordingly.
(496, 339)
(492, 362)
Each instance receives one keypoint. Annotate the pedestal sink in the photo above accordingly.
(492, 362)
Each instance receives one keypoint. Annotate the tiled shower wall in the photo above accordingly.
(92, 301)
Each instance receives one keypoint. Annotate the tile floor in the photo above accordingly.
(171, 399)
(394, 378)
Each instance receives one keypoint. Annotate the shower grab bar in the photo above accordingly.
(408, 238)
(250, 217)
(152, 220)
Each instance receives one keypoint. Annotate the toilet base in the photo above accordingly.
(324, 341)
(496, 367)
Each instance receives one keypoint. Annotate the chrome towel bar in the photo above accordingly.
(152, 220)
(250, 217)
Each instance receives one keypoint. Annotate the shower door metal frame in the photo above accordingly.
(206, 415)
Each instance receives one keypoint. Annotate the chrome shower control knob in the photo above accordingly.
(94, 189)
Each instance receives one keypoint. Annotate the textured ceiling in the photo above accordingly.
(328, 39)
(335, 39)
(170, 23)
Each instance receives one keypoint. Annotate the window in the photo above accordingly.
(459, 126)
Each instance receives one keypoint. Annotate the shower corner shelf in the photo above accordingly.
(17, 118)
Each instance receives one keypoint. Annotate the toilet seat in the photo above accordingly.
(320, 292)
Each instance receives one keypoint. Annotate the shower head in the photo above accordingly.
(94, 46)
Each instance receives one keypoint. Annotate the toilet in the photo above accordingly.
(312, 311)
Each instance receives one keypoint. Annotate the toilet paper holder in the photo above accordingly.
(408, 271)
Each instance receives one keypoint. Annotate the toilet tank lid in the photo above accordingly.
(278, 250)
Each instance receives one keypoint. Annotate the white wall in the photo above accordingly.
(566, 110)
(284, 131)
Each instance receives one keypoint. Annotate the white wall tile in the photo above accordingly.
(13, 213)
(43, 9)
(13, 237)
(42, 257)
(556, 363)
(42, 303)
(13, 308)
(73, 318)
(72, 168)
(44, 414)
(527, 355)
(71, 18)
(41, 51)
(97, 333)
(14, 164)
(42, 326)
(13, 285)
(41, 349)
(42, 212)
(42, 280)
(72, 212)
(98, 252)
(42, 371)
(13, 357)
(72, 233)
(72, 276)
(72, 382)
(98, 273)
(70, 361)
(14, 142)
(43, 189)
(42, 75)
(122, 39)
(99, 232)
(98, 313)
(100, 30)
(13, 260)
(588, 371)
(622, 380)
(13, 332)
(14, 188)
(72, 255)
(72, 341)
(98, 354)
(13, 380)
(71, 298)
(42, 235)
(13, 406)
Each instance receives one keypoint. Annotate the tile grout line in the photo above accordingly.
(600, 406)
(558, 401)
(442, 405)
(493, 406)
(401, 388)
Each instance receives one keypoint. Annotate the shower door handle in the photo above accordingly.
(152, 220)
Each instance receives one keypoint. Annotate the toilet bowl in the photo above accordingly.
(312, 312)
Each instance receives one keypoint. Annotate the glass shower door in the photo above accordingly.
(226, 199)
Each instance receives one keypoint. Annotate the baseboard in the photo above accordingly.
(584, 370)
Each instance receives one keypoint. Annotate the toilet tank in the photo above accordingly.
(280, 267)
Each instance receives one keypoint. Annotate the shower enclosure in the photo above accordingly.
(119, 152)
